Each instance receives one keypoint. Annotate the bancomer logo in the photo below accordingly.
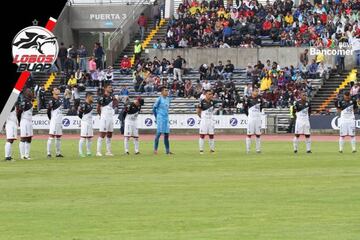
(344, 49)
(34, 49)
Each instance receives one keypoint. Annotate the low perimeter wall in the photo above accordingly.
(241, 57)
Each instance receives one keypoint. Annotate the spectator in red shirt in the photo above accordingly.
(266, 27)
(142, 22)
(125, 65)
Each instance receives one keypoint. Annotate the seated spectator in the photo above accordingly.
(248, 90)
(323, 71)
(219, 70)
(183, 43)
(313, 70)
(228, 70)
(230, 86)
(175, 88)
(72, 81)
(101, 77)
(125, 65)
(203, 70)
(109, 75)
(219, 86)
(156, 45)
(211, 72)
(198, 89)
(249, 70)
(223, 45)
(67, 97)
(149, 84)
(206, 85)
(265, 82)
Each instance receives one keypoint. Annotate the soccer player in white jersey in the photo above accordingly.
(105, 109)
(11, 133)
(347, 106)
(130, 115)
(253, 107)
(86, 125)
(24, 114)
(205, 111)
(301, 111)
(55, 115)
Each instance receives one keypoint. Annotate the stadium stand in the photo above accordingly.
(317, 87)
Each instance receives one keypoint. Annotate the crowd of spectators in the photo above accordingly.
(279, 85)
(243, 23)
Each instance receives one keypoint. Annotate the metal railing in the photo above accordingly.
(114, 36)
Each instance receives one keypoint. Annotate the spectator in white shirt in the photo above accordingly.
(206, 85)
(223, 45)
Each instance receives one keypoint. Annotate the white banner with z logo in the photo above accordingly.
(147, 121)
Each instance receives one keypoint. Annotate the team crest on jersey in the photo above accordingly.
(34, 49)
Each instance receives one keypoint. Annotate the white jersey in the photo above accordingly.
(207, 110)
(107, 109)
(85, 113)
(11, 125)
(27, 115)
(302, 110)
(56, 111)
(131, 119)
(347, 109)
(254, 107)
(348, 113)
(12, 118)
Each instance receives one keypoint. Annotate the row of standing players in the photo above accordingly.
(253, 105)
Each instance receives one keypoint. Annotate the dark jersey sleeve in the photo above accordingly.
(81, 111)
(356, 106)
(50, 105)
(246, 106)
(19, 110)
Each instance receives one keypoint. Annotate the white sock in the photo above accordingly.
(136, 144)
(7, 149)
(58, 146)
(341, 143)
(126, 144)
(48, 145)
(108, 144)
(353, 143)
(201, 144)
(212, 144)
(258, 144)
(81, 144)
(98, 147)
(22, 149)
(248, 143)
(88, 145)
(308, 144)
(295, 143)
(27, 149)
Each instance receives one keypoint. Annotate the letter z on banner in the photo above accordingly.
(31, 40)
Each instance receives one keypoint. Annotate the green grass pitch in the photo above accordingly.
(228, 195)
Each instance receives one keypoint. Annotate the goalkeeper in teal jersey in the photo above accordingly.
(161, 113)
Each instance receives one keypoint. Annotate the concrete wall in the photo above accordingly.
(100, 17)
(240, 57)
(63, 31)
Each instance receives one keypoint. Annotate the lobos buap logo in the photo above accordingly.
(34, 49)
